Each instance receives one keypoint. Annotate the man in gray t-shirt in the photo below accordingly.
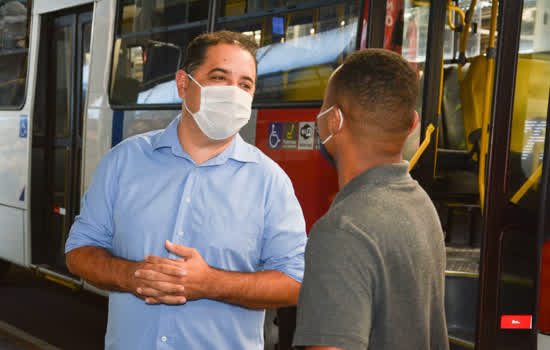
(375, 263)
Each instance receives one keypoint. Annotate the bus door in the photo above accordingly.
(57, 140)
(517, 197)
(484, 69)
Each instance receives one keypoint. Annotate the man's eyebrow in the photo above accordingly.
(225, 71)
(246, 77)
(217, 69)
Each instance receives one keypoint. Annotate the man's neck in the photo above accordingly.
(354, 161)
(196, 144)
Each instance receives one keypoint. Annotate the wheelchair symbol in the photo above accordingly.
(274, 138)
(23, 127)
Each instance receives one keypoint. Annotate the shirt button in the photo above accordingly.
(188, 199)
(163, 338)
(180, 233)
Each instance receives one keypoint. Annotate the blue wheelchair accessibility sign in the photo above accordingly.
(23, 126)
(275, 135)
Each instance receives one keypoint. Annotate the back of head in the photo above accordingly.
(197, 48)
(377, 90)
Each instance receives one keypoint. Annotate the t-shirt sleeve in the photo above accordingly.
(284, 236)
(335, 302)
(94, 225)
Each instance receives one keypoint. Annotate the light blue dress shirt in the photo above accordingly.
(238, 210)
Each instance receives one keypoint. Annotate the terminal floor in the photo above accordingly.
(49, 312)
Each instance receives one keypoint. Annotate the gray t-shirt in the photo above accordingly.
(375, 268)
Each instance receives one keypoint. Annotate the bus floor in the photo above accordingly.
(39, 314)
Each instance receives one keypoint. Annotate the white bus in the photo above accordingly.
(79, 76)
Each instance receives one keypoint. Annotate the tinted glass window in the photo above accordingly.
(241, 7)
(143, 15)
(14, 41)
(150, 46)
(530, 107)
(300, 45)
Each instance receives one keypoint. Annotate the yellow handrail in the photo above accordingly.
(452, 8)
(484, 143)
(527, 185)
(429, 130)
(421, 3)
(464, 36)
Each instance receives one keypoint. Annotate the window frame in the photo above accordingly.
(27, 50)
(211, 23)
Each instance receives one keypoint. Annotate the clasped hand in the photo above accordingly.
(168, 281)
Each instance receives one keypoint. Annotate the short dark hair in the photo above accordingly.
(382, 85)
(196, 50)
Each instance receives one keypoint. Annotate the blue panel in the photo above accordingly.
(23, 126)
(278, 24)
(275, 136)
(118, 123)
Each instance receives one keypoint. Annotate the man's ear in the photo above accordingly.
(181, 82)
(415, 123)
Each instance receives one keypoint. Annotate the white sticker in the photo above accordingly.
(306, 135)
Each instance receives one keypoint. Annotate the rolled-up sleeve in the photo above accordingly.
(94, 225)
(284, 236)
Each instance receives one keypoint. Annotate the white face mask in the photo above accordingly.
(223, 110)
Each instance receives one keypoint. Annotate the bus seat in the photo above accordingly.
(472, 94)
(452, 122)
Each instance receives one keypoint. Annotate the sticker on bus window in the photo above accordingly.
(275, 135)
(306, 135)
(290, 135)
(23, 126)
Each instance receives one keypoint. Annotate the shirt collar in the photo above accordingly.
(239, 150)
(167, 136)
(379, 175)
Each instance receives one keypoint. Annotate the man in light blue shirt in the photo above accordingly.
(194, 231)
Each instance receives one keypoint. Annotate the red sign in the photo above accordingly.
(516, 322)
(393, 33)
(315, 181)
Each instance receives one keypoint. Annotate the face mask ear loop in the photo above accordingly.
(319, 116)
(196, 82)
(341, 119)
(184, 100)
(328, 138)
(187, 108)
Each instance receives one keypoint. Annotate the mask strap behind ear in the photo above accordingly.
(341, 118)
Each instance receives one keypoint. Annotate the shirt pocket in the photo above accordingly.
(230, 239)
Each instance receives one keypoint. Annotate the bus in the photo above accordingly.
(79, 76)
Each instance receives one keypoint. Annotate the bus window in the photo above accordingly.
(140, 121)
(301, 43)
(407, 34)
(14, 45)
(150, 42)
(144, 15)
(241, 7)
(530, 106)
